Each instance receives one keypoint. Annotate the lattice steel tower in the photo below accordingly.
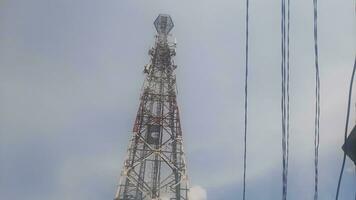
(155, 167)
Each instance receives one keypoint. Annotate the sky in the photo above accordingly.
(70, 80)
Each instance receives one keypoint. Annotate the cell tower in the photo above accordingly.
(155, 167)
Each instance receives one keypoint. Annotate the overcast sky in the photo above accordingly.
(70, 79)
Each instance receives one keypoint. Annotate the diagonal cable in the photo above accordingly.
(346, 127)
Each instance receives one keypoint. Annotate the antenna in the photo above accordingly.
(163, 24)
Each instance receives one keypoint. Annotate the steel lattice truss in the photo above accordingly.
(155, 167)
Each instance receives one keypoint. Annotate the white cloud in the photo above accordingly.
(197, 193)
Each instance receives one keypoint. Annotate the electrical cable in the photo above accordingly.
(346, 130)
(246, 95)
(317, 102)
(282, 103)
(288, 80)
(285, 84)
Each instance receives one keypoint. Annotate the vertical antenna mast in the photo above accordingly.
(155, 167)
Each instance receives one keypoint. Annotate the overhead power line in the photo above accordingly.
(317, 102)
(246, 99)
(285, 106)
